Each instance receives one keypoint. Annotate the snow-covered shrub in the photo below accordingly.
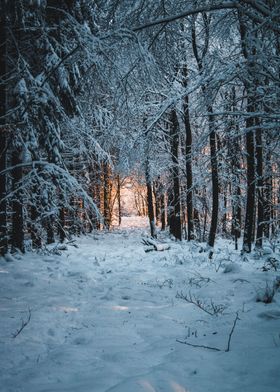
(266, 294)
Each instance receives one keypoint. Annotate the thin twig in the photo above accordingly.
(23, 324)
(199, 345)
(212, 309)
(231, 332)
(214, 348)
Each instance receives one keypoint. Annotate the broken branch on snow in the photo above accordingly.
(24, 323)
(227, 349)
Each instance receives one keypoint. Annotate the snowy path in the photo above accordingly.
(105, 317)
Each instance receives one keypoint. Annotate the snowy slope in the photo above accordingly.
(107, 316)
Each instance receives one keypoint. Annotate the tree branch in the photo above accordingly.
(24, 323)
(214, 348)
(199, 345)
(231, 332)
(209, 8)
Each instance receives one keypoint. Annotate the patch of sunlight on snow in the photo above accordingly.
(155, 306)
(134, 221)
(118, 307)
(66, 309)
(177, 388)
(146, 385)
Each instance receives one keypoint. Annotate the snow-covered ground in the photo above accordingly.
(107, 316)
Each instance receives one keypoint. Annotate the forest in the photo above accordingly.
(176, 104)
(183, 96)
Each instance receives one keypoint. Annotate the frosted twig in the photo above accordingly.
(24, 323)
(199, 345)
(231, 332)
(214, 348)
(211, 309)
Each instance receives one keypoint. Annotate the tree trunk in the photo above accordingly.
(268, 195)
(17, 238)
(235, 156)
(163, 211)
(156, 186)
(151, 213)
(3, 134)
(196, 220)
(35, 235)
(249, 50)
(250, 199)
(61, 225)
(95, 189)
(106, 193)
(260, 190)
(224, 221)
(215, 179)
(119, 200)
(188, 158)
(175, 216)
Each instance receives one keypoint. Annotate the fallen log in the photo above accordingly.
(152, 245)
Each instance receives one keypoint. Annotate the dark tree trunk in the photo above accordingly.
(95, 192)
(119, 200)
(106, 195)
(236, 217)
(163, 211)
(268, 196)
(150, 203)
(260, 190)
(212, 134)
(17, 237)
(205, 214)
(156, 187)
(188, 158)
(196, 220)
(61, 226)
(50, 231)
(235, 156)
(175, 216)
(215, 179)
(224, 222)
(35, 235)
(169, 205)
(3, 134)
(250, 199)
(249, 50)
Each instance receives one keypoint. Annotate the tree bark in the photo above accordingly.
(151, 213)
(61, 225)
(163, 211)
(156, 187)
(260, 187)
(119, 200)
(17, 237)
(175, 216)
(235, 157)
(188, 158)
(267, 195)
(215, 179)
(248, 50)
(251, 186)
(106, 195)
(3, 133)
